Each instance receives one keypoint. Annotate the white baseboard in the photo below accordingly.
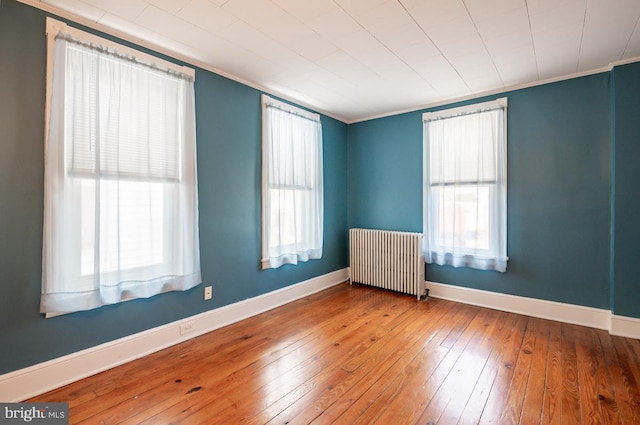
(31, 381)
(625, 326)
(568, 313)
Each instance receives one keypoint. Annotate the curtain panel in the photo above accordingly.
(292, 185)
(465, 186)
(121, 205)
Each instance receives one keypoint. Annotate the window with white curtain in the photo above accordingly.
(121, 205)
(465, 186)
(292, 192)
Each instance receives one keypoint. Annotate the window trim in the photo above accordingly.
(500, 103)
(494, 185)
(53, 28)
(267, 101)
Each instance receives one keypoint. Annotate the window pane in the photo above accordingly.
(462, 149)
(463, 217)
(283, 218)
(464, 198)
(131, 225)
(292, 197)
(138, 110)
(120, 176)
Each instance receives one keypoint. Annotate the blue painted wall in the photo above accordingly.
(385, 173)
(228, 134)
(626, 194)
(558, 190)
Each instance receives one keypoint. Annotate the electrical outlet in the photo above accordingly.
(186, 328)
(208, 292)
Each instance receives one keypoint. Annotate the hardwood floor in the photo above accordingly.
(360, 355)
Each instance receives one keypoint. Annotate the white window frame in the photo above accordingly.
(53, 28)
(265, 262)
(494, 257)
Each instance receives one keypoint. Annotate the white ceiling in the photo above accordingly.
(356, 59)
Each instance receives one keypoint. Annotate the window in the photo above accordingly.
(120, 175)
(465, 186)
(292, 194)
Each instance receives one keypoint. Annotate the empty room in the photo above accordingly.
(327, 211)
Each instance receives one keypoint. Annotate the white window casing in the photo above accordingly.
(465, 186)
(121, 204)
(292, 186)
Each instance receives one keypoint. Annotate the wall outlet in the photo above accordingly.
(186, 328)
(208, 292)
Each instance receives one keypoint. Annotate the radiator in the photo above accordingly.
(387, 259)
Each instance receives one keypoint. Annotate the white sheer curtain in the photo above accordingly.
(465, 186)
(292, 191)
(121, 217)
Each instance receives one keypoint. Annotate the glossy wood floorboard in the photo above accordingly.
(361, 355)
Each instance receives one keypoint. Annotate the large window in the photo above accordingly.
(120, 175)
(465, 186)
(292, 194)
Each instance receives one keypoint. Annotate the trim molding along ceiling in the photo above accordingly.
(31, 381)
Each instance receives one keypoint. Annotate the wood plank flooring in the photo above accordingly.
(361, 355)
